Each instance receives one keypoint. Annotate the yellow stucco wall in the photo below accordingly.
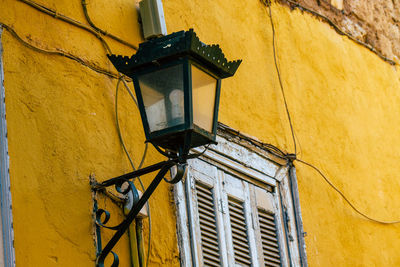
(61, 128)
(60, 117)
(344, 104)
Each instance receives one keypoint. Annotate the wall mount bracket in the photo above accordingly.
(162, 168)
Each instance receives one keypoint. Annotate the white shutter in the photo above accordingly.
(233, 215)
(239, 232)
(234, 223)
(267, 230)
(208, 225)
(269, 239)
(240, 240)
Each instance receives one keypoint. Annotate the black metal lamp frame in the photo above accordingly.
(180, 48)
(171, 137)
(121, 228)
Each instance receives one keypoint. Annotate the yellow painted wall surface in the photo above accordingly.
(61, 126)
(344, 105)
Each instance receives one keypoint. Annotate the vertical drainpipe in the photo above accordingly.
(140, 243)
(136, 240)
(131, 200)
(133, 241)
(5, 193)
(285, 225)
(294, 190)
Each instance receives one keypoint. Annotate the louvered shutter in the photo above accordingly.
(270, 245)
(267, 228)
(208, 238)
(208, 226)
(230, 214)
(241, 248)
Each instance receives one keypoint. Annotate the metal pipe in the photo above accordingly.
(131, 200)
(133, 241)
(285, 225)
(297, 214)
(140, 243)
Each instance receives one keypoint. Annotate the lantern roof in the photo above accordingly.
(173, 46)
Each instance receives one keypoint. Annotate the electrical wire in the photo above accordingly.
(118, 126)
(265, 146)
(95, 31)
(344, 197)
(130, 158)
(92, 28)
(62, 17)
(131, 94)
(58, 53)
(67, 19)
(111, 75)
(280, 80)
(85, 12)
(290, 157)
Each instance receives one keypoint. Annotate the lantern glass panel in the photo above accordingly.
(162, 93)
(204, 88)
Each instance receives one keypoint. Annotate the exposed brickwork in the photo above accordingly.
(376, 23)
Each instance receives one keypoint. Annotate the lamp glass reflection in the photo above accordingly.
(163, 97)
(203, 91)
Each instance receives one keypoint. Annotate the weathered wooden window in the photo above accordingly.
(232, 211)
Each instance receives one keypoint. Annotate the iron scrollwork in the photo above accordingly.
(102, 216)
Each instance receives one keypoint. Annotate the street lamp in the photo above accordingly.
(177, 81)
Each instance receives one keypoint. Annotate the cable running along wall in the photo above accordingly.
(292, 157)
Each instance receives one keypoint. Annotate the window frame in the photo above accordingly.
(256, 167)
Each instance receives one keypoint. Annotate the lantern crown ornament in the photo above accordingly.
(177, 81)
(178, 44)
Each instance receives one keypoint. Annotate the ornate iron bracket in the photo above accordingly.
(121, 228)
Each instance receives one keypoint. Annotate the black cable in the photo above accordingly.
(130, 158)
(292, 157)
(67, 19)
(265, 146)
(58, 53)
(92, 28)
(344, 197)
(85, 12)
(280, 80)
